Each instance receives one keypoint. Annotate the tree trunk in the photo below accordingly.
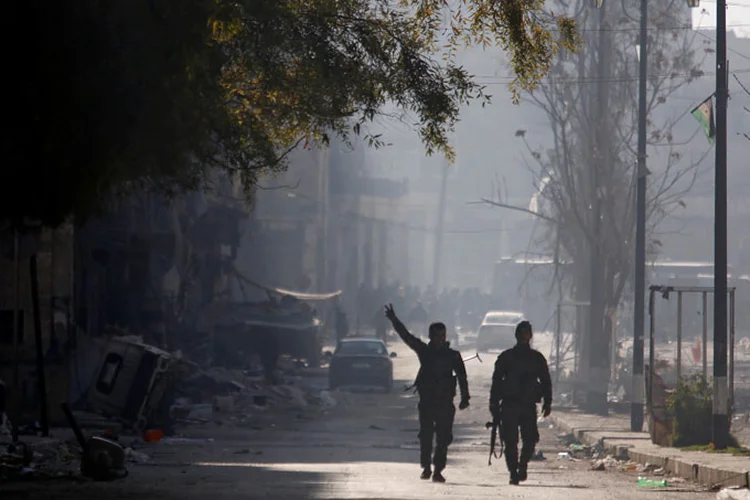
(596, 397)
(583, 336)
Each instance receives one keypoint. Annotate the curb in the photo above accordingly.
(686, 469)
(619, 452)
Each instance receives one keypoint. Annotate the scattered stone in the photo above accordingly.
(137, 457)
(608, 462)
(645, 468)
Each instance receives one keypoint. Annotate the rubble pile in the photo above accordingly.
(21, 461)
(611, 463)
(241, 397)
(214, 395)
(603, 462)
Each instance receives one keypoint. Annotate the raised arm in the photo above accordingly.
(413, 342)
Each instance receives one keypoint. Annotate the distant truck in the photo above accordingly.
(271, 329)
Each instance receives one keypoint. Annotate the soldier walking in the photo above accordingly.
(436, 385)
(520, 381)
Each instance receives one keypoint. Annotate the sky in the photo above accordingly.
(738, 16)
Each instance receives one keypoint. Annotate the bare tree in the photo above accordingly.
(586, 178)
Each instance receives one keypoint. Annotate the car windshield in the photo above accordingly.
(362, 348)
(503, 318)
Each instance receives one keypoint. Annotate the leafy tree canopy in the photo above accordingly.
(112, 96)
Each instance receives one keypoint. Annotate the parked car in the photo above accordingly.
(498, 330)
(361, 361)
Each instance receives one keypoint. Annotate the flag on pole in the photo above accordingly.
(704, 113)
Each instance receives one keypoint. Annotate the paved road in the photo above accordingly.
(364, 449)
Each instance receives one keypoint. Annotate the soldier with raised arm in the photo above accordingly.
(439, 369)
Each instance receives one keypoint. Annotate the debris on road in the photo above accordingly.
(733, 494)
(580, 451)
(102, 459)
(651, 483)
(21, 462)
(137, 457)
(608, 462)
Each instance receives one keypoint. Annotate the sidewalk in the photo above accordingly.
(614, 434)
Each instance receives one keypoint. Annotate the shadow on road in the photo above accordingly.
(225, 483)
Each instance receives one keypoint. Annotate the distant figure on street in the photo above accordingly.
(436, 384)
(521, 380)
(381, 326)
(342, 325)
(418, 314)
(418, 318)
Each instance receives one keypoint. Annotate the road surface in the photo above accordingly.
(365, 448)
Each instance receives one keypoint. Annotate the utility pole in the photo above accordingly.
(439, 229)
(720, 393)
(636, 405)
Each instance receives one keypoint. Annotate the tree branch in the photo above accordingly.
(513, 207)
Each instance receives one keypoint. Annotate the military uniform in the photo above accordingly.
(436, 385)
(521, 379)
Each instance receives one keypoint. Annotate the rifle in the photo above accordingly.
(475, 356)
(495, 426)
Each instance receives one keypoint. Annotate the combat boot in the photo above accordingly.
(522, 473)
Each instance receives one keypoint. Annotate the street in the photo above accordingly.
(364, 448)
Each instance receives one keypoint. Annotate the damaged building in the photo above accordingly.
(149, 267)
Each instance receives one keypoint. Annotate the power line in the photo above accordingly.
(741, 5)
(505, 80)
(728, 48)
(656, 28)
